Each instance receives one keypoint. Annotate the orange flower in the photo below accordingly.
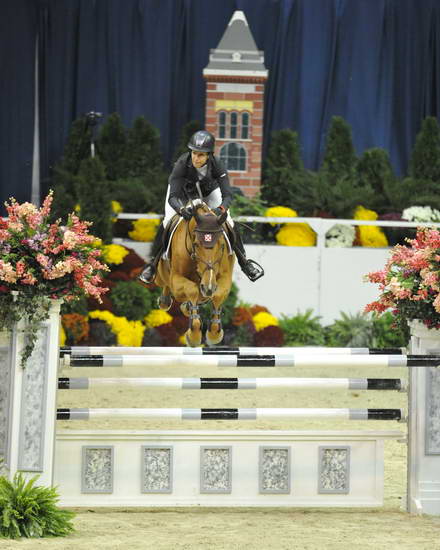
(241, 316)
(76, 327)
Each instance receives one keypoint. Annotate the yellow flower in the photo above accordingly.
(362, 213)
(182, 340)
(128, 333)
(77, 208)
(144, 230)
(157, 317)
(372, 236)
(97, 243)
(116, 207)
(280, 212)
(296, 234)
(114, 253)
(62, 336)
(263, 319)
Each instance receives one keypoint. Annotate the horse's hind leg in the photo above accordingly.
(214, 334)
(165, 300)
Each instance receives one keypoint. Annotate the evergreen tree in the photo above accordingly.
(144, 155)
(374, 169)
(425, 159)
(339, 157)
(283, 170)
(112, 147)
(93, 194)
(187, 131)
(408, 192)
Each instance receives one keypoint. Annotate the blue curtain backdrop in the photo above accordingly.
(373, 62)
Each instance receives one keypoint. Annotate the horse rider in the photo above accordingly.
(199, 174)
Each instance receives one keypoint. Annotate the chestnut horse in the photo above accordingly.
(199, 271)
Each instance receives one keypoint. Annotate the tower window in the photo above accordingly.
(245, 126)
(222, 124)
(234, 157)
(233, 129)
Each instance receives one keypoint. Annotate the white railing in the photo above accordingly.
(319, 225)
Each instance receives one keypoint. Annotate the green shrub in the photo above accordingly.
(374, 171)
(93, 194)
(112, 147)
(351, 330)
(386, 334)
(425, 158)
(302, 330)
(132, 300)
(134, 196)
(27, 510)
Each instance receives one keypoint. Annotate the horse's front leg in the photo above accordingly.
(187, 292)
(214, 333)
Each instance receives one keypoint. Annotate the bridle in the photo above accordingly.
(192, 252)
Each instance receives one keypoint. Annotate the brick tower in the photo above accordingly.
(235, 78)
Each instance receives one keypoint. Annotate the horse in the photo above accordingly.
(199, 270)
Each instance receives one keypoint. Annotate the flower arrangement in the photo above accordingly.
(370, 236)
(144, 229)
(410, 282)
(340, 236)
(41, 261)
(422, 214)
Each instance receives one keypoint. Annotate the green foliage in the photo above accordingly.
(134, 196)
(77, 147)
(112, 147)
(283, 170)
(75, 306)
(131, 300)
(144, 156)
(28, 510)
(351, 330)
(94, 198)
(188, 130)
(386, 334)
(425, 159)
(242, 337)
(339, 158)
(247, 206)
(303, 329)
(374, 171)
(411, 192)
(64, 194)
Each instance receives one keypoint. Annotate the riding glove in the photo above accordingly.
(186, 212)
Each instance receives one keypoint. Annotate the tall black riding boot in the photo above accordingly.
(250, 268)
(149, 270)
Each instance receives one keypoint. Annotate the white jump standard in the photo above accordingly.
(156, 350)
(396, 384)
(232, 414)
(292, 360)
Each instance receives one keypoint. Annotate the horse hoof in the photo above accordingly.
(214, 338)
(185, 309)
(192, 343)
(165, 302)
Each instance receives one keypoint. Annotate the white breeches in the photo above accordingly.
(213, 200)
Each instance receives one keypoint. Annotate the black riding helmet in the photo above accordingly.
(202, 141)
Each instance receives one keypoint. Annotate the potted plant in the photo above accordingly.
(42, 262)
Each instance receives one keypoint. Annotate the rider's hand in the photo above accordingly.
(186, 212)
(221, 214)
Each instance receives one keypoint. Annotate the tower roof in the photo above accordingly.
(237, 53)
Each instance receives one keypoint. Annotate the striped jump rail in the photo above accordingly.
(223, 350)
(301, 360)
(395, 384)
(231, 414)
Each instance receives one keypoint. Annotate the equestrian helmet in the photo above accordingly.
(202, 141)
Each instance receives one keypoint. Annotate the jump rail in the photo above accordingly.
(223, 350)
(396, 384)
(292, 360)
(232, 414)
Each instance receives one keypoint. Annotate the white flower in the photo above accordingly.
(340, 235)
(421, 214)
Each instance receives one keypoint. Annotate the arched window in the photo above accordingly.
(233, 129)
(245, 126)
(222, 124)
(234, 157)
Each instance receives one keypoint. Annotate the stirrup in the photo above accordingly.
(148, 273)
(253, 270)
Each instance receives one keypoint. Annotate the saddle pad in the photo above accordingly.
(167, 253)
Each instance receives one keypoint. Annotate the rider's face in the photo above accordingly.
(199, 159)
